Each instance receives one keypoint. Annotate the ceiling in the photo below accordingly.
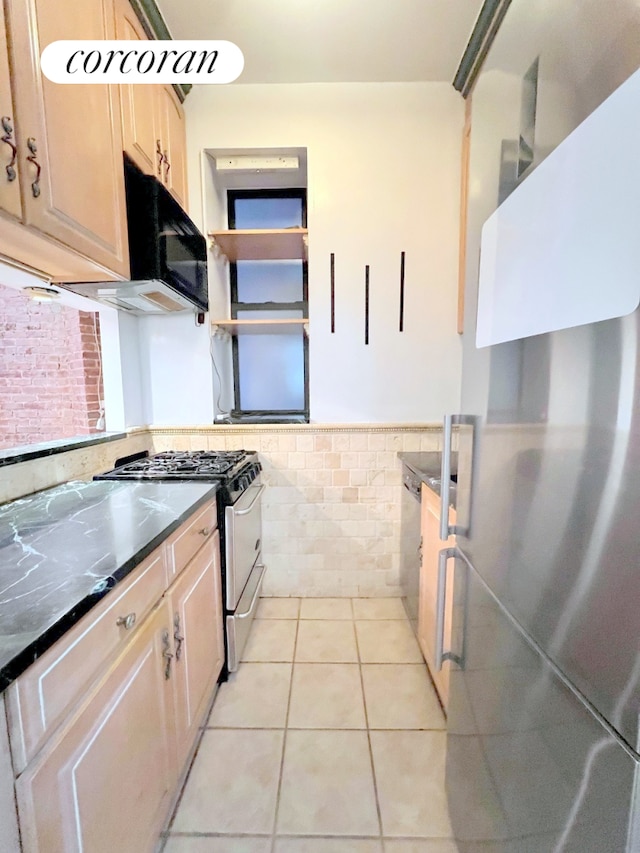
(333, 41)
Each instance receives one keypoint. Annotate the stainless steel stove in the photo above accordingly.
(239, 522)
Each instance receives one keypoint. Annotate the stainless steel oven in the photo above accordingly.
(244, 567)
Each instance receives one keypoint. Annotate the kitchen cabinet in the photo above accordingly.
(69, 138)
(196, 608)
(9, 837)
(430, 549)
(9, 184)
(138, 103)
(153, 124)
(172, 143)
(45, 694)
(102, 726)
(107, 780)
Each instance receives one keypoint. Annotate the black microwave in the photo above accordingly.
(164, 244)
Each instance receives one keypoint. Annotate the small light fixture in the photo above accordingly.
(42, 294)
(245, 163)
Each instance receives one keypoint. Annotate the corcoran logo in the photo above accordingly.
(142, 62)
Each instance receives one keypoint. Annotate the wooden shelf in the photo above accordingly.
(286, 326)
(264, 244)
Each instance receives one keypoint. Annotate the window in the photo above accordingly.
(50, 371)
(270, 364)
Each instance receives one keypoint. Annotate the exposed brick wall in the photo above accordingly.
(50, 376)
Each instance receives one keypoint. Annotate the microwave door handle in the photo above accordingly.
(248, 509)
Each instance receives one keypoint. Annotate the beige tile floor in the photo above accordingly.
(328, 739)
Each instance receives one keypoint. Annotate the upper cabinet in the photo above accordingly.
(153, 126)
(68, 137)
(62, 194)
(139, 135)
(9, 184)
(172, 142)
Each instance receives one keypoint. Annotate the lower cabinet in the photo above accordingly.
(196, 607)
(106, 777)
(9, 834)
(431, 547)
(106, 781)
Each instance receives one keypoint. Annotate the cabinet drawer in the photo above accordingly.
(190, 537)
(40, 699)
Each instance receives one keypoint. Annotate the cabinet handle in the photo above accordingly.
(7, 138)
(33, 148)
(205, 531)
(166, 654)
(177, 636)
(167, 166)
(127, 621)
(160, 156)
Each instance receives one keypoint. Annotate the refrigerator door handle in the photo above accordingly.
(446, 529)
(441, 655)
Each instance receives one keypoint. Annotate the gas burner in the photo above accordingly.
(235, 468)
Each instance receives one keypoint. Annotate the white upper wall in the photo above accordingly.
(383, 177)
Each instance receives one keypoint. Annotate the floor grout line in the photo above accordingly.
(284, 737)
(366, 720)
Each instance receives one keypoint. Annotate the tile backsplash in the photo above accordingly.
(24, 478)
(331, 510)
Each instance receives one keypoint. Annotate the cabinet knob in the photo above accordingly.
(8, 140)
(205, 531)
(127, 621)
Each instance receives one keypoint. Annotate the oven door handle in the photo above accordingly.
(255, 594)
(248, 509)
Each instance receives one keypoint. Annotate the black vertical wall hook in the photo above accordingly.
(401, 326)
(366, 304)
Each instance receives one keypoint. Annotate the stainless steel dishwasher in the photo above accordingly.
(410, 543)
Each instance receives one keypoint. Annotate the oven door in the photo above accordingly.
(243, 529)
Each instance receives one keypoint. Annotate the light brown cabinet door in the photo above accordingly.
(70, 155)
(9, 836)
(106, 781)
(139, 132)
(9, 184)
(431, 547)
(196, 607)
(174, 144)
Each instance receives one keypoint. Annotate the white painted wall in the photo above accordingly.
(383, 177)
(175, 370)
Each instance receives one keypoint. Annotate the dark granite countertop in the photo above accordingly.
(63, 549)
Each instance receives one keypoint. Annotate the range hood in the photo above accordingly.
(136, 297)
(167, 254)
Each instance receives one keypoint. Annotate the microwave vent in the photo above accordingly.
(162, 300)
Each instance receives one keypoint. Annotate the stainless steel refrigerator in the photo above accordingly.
(543, 722)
